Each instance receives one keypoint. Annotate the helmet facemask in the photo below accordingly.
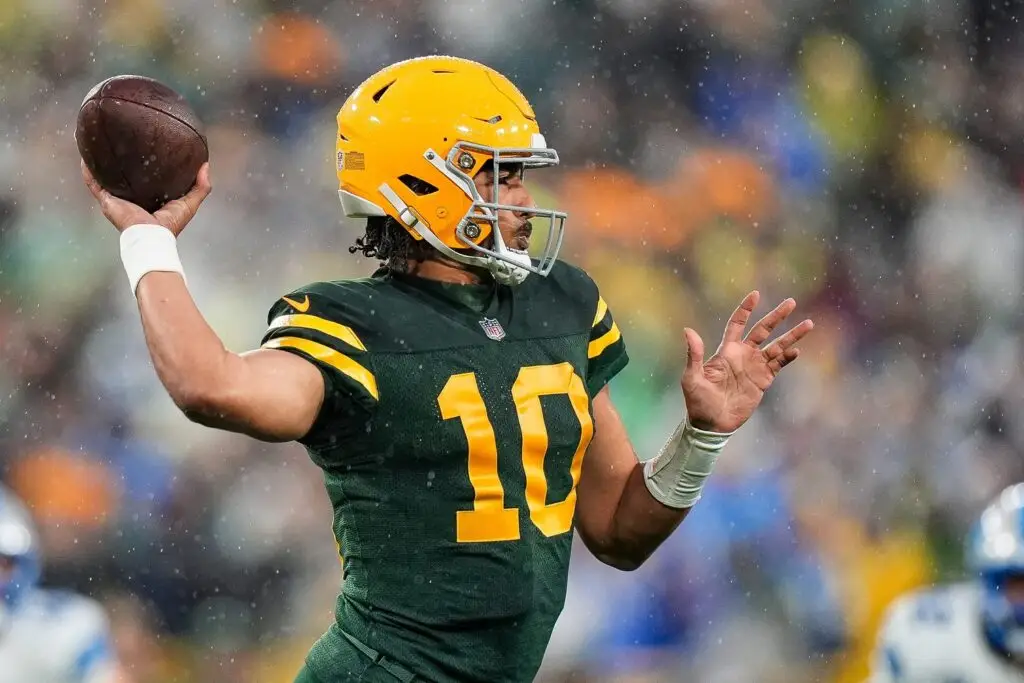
(439, 120)
(506, 264)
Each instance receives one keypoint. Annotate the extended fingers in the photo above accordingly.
(783, 351)
(783, 358)
(794, 335)
(764, 327)
(738, 320)
(694, 356)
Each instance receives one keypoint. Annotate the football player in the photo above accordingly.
(449, 398)
(45, 636)
(971, 631)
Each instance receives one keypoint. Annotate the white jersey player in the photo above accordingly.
(45, 636)
(971, 632)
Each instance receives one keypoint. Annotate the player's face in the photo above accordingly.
(514, 225)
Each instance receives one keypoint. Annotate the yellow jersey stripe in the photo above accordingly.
(311, 322)
(597, 347)
(602, 308)
(325, 354)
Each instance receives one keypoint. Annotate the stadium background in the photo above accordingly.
(863, 157)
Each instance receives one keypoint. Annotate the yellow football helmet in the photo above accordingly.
(412, 136)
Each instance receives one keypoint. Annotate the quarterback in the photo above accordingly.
(456, 399)
(45, 636)
(970, 632)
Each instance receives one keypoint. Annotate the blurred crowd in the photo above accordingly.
(864, 158)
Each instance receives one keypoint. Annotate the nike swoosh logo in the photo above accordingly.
(300, 307)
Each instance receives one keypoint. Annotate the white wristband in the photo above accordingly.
(148, 248)
(677, 474)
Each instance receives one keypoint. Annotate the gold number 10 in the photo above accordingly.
(490, 520)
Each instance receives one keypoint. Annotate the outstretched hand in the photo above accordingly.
(174, 215)
(723, 392)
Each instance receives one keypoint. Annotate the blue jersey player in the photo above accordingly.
(45, 636)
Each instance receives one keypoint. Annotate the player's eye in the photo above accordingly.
(506, 176)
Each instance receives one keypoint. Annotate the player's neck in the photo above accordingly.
(443, 271)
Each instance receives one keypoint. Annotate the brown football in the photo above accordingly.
(141, 140)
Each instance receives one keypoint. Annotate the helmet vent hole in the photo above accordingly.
(443, 71)
(380, 93)
(419, 186)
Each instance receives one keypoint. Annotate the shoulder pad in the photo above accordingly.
(330, 324)
(566, 292)
(571, 291)
(574, 281)
(919, 625)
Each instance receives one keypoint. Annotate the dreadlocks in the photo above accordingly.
(387, 241)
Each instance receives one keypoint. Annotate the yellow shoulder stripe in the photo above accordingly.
(311, 322)
(602, 308)
(597, 347)
(325, 354)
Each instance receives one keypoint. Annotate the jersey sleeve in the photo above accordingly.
(309, 324)
(606, 351)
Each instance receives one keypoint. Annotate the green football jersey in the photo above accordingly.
(451, 438)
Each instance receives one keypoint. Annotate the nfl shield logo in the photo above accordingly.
(493, 329)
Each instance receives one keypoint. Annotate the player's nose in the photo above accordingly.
(520, 196)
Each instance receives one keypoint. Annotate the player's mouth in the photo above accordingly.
(521, 239)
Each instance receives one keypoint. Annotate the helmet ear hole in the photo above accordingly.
(419, 186)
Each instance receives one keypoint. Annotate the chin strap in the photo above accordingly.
(509, 273)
